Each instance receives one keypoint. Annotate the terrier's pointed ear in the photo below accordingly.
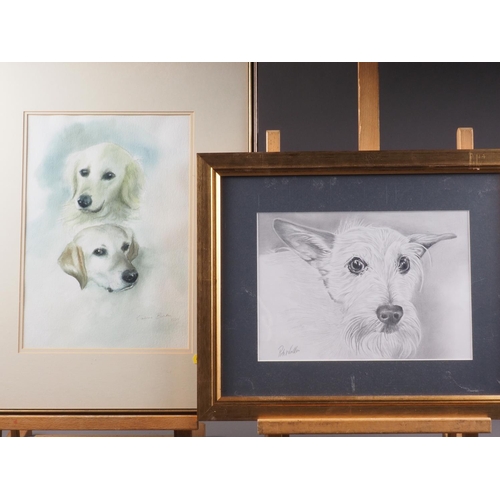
(72, 262)
(425, 241)
(312, 245)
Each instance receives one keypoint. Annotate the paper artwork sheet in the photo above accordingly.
(107, 242)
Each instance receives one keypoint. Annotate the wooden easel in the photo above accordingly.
(181, 425)
(448, 426)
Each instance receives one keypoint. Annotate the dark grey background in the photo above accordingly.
(421, 104)
(314, 105)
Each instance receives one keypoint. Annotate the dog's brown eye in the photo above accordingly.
(403, 264)
(356, 265)
(84, 172)
(125, 247)
(100, 252)
(108, 176)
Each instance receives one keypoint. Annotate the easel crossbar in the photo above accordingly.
(374, 425)
(100, 422)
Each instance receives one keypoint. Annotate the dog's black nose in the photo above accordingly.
(130, 276)
(390, 315)
(85, 200)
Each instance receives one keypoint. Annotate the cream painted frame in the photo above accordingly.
(218, 96)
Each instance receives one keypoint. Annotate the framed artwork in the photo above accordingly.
(100, 226)
(334, 283)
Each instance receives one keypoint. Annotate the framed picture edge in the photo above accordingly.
(72, 411)
(212, 168)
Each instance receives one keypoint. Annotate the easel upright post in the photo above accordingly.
(368, 107)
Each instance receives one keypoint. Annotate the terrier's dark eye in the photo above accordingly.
(84, 172)
(403, 264)
(356, 265)
(125, 247)
(108, 176)
(100, 252)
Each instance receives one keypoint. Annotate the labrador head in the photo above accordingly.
(102, 254)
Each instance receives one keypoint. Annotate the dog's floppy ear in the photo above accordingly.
(425, 241)
(312, 245)
(132, 184)
(133, 250)
(73, 263)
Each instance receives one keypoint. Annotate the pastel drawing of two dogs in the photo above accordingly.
(106, 183)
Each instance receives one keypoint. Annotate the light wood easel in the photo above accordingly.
(181, 425)
(448, 426)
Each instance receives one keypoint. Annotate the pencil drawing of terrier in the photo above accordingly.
(363, 280)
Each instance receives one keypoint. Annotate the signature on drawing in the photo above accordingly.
(142, 317)
(283, 351)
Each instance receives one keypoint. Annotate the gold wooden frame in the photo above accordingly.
(211, 168)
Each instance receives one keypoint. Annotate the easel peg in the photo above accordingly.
(465, 138)
(273, 144)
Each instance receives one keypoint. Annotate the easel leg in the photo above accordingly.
(460, 434)
(200, 432)
(20, 433)
(183, 433)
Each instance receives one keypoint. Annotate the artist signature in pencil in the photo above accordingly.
(141, 317)
(283, 351)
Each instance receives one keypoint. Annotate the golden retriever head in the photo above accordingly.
(102, 254)
(106, 184)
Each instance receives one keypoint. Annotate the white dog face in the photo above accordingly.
(106, 184)
(372, 274)
(102, 254)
